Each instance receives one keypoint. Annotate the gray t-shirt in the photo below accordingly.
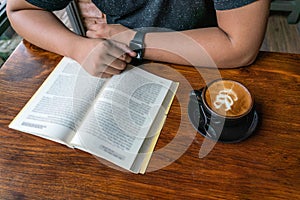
(170, 14)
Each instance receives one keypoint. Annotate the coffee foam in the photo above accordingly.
(228, 98)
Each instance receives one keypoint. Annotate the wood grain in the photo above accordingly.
(281, 36)
(265, 166)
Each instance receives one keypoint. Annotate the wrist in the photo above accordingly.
(124, 37)
(82, 48)
(137, 44)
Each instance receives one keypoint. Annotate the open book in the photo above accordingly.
(118, 119)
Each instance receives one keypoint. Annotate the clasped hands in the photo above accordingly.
(106, 50)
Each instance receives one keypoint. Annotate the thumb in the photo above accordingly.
(125, 48)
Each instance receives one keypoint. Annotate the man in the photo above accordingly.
(222, 33)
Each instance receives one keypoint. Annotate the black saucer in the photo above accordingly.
(245, 129)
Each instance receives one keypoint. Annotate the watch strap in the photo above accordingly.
(137, 44)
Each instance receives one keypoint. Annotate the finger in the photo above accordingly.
(104, 75)
(88, 9)
(117, 64)
(126, 49)
(110, 69)
(120, 49)
(126, 58)
(92, 25)
(88, 22)
(123, 47)
(96, 30)
(92, 34)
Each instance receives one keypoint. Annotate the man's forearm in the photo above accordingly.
(205, 47)
(48, 32)
(235, 42)
(208, 47)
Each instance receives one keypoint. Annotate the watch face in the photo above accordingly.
(137, 48)
(139, 55)
(137, 44)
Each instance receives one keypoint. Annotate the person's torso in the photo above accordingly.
(170, 14)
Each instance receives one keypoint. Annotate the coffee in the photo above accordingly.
(228, 98)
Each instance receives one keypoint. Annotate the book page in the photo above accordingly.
(142, 160)
(58, 107)
(122, 116)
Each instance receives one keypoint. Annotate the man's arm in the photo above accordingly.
(99, 57)
(42, 28)
(235, 42)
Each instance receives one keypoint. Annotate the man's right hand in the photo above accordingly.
(106, 57)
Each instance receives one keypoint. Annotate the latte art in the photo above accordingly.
(228, 98)
(225, 97)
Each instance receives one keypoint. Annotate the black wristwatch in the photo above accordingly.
(137, 44)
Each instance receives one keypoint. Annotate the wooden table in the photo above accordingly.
(265, 166)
